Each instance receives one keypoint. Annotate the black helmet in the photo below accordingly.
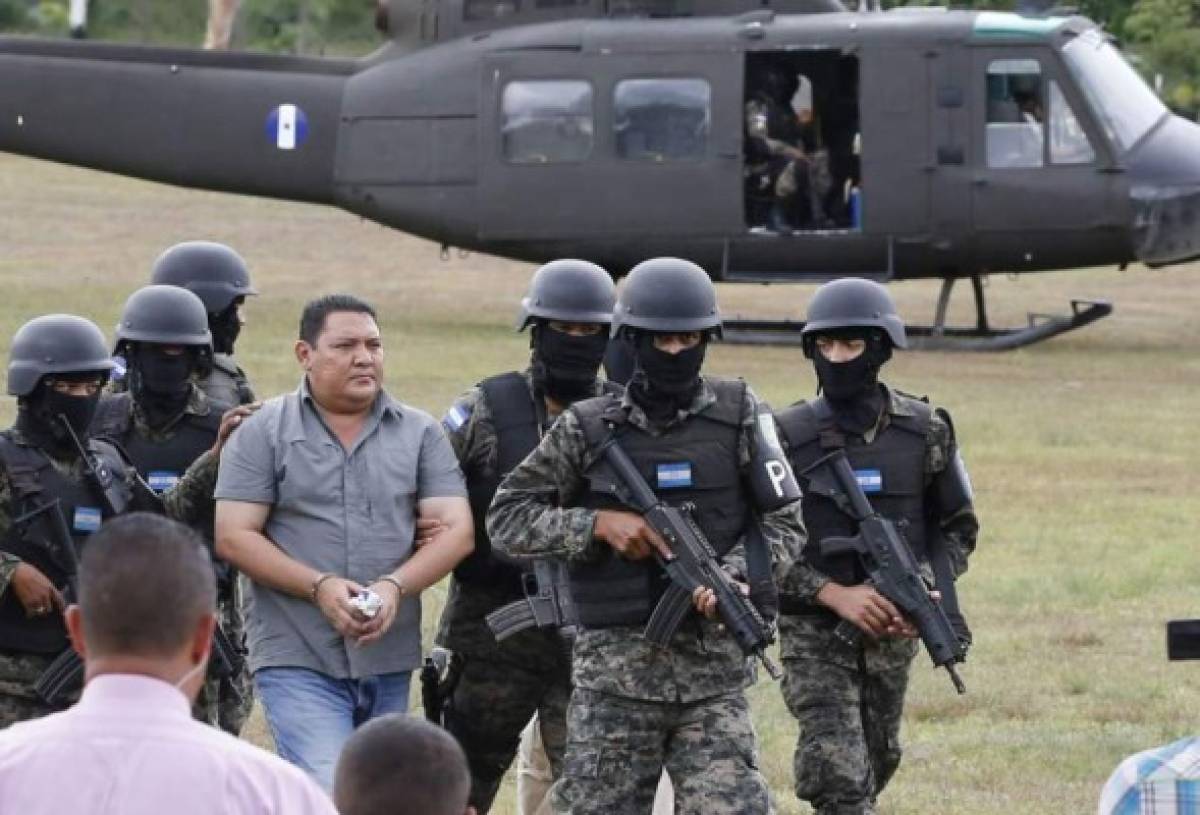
(55, 344)
(213, 271)
(852, 302)
(164, 314)
(573, 291)
(667, 295)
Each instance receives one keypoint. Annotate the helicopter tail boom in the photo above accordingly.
(250, 124)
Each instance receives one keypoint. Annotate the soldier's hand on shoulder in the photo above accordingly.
(230, 420)
(36, 593)
(629, 534)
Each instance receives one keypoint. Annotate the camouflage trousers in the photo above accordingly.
(496, 696)
(849, 707)
(18, 702)
(227, 704)
(618, 747)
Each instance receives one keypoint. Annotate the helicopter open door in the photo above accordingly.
(642, 138)
(1045, 186)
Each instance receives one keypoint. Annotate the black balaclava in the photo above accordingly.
(663, 383)
(160, 382)
(38, 416)
(565, 365)
(852, 388)
(225, 327)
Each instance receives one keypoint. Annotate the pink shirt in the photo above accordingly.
(131, 747)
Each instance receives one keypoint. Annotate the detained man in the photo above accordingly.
(317, 501)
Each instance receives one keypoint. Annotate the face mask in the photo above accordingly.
(76, 410)
(844, 381)
(566, 365)
(225, 328)
(664, 384)
(163, 375)
(675, 375)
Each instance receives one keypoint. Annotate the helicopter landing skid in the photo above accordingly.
(939, 336)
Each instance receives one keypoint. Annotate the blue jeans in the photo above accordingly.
(311, 714)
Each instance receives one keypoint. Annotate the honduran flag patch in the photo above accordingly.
(674, 475)
(870, 480)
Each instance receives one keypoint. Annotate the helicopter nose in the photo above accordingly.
(1164, 175)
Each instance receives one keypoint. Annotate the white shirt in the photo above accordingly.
(131, 747)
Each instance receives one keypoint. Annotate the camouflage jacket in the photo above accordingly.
(186, 502)
(469, 426)
(534, 515)
(959, 529)
(227, 383)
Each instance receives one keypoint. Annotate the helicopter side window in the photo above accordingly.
(1068, 142)
(662, 119)
(546, 121)
(1016, 114)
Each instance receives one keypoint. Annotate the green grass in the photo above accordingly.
(1082, 450)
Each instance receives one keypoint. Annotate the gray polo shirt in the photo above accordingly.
(350, 512)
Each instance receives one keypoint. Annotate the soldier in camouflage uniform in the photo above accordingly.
(849, 698)
(219, 277)
(637, 707)
(493, 426)
(164, 422)
(57, 368)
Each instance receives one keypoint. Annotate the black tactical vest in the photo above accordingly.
(517, 420)
(160, 463)
(891, 470)
(694, 461)
(36, 481)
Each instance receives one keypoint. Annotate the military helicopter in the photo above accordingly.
(955, 143)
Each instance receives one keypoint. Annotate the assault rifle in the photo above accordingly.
(547, 603)
(693, 564)
(889, 563)
(66, 671)
(64, 675)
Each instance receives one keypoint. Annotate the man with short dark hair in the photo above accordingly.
(144, 622)
(317, 501)
(400, 765)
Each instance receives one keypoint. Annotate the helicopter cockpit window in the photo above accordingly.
(1125, 103)
(1016, 113)
(1068, 142)
(475, 10)
(662, 119)
(546, 121)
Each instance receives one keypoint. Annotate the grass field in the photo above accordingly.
(1083, 452)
